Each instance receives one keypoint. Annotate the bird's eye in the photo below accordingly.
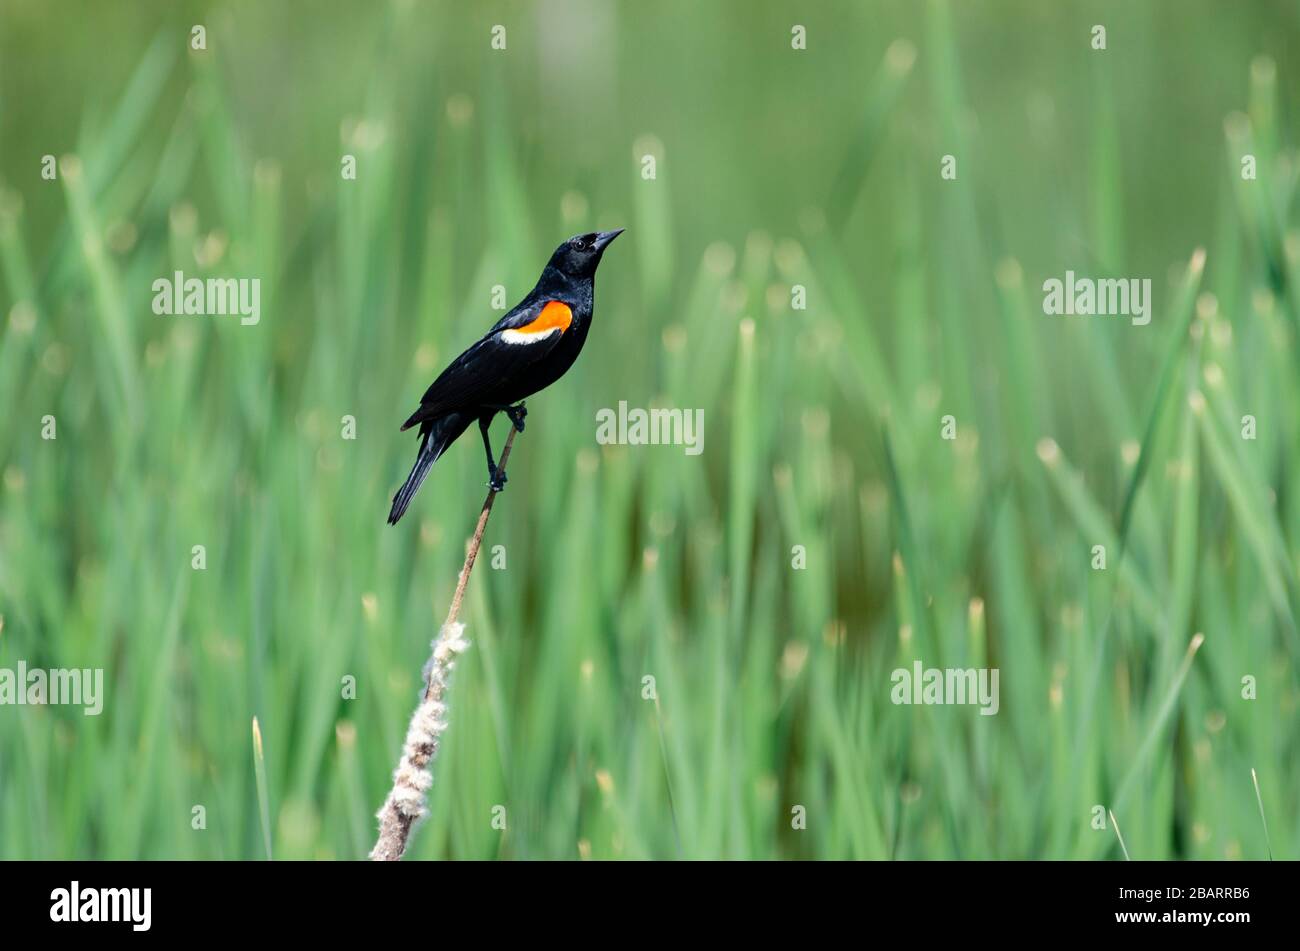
(587, 242)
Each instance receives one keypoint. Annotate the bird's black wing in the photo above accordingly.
(525, 335)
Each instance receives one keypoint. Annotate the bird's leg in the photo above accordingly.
(517, 414)
(496, 478)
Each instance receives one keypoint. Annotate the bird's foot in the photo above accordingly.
(496, 478)
(517, 414)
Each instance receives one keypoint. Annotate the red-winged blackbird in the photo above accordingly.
(525, 351)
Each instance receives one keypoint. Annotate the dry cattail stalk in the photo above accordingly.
(407, 800)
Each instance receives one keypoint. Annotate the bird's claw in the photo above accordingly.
(517, 414)
(496, 479)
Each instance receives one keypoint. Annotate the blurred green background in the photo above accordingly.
(776, 167)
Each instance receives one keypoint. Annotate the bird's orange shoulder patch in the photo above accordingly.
(555, 315)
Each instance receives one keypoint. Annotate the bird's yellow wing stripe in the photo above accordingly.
(554, 315)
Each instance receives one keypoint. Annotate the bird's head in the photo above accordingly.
(579, 256)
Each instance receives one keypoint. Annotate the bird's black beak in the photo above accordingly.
(603, 238)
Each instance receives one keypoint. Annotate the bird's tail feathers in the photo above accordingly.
(441, 434)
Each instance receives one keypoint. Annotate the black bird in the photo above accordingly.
(525, 351)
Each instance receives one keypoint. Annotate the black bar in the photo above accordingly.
(331, 900)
